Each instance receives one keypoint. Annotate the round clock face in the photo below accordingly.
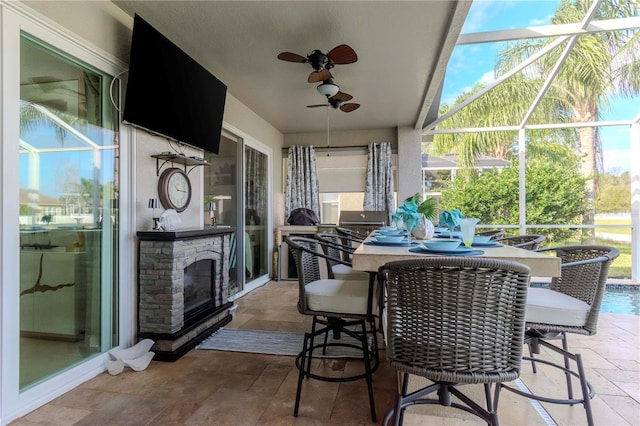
(174, 189)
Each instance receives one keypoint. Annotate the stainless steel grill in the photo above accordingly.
(363, 221)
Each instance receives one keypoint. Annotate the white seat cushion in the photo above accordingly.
(551, 307)
(345, 272)
(340, 296)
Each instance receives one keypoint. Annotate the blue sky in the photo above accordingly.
(473, 63)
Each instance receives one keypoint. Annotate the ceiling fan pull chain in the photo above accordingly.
(328, 145)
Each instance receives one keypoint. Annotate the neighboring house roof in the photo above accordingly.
(28, 196)
(450, 162)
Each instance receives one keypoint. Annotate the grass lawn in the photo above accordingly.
(621, 267)
(626, 231)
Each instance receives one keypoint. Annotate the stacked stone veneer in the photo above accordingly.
(161, 279)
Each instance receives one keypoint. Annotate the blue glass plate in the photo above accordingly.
(489, 244)
(405, 243)
(460, 251)
(456, 234)
(392, 234)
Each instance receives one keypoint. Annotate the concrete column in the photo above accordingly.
(409, 162)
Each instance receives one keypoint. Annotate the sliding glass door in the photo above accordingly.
(68, 211)
(237, 182)
(256, 199)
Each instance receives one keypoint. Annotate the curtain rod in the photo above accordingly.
(339, 148)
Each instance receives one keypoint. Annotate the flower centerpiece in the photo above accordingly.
(428, 210)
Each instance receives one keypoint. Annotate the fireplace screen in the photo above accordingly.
(199, 280)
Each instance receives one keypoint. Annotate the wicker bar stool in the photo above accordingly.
(570, 305)
(527, 242)
(495, 234)
(333, 248)
(454, 321)
(351, 236)
(340, 306)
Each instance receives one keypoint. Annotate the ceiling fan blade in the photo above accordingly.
(292, 57)
(317, 106)
(349, 107)
(342, 97)
(318, 76)
(342, 55)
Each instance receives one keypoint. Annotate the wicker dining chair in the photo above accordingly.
(570, 305)
(527, 242)
(454, 321)
(334, 248)
(350, 236)
(338, 306)
(495, 234)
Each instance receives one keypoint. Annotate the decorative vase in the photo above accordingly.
(424, 230)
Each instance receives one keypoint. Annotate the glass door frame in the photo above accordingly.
(17, 17)
(243, 140)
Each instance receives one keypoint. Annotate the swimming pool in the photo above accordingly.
(618, 299)
(621, 301)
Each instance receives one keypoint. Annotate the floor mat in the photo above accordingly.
(273, 343)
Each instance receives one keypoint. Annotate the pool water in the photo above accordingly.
(619, 301)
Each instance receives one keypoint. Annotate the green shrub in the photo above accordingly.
(554, 195)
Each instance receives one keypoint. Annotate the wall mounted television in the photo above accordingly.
(170, 94)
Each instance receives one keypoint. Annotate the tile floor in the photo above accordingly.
(207, 387)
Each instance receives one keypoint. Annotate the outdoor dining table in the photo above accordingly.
(369, 257)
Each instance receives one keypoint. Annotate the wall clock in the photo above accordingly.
(174, 189)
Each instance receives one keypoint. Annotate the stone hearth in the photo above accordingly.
(163, 257)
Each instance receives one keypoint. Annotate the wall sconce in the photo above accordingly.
(153, 204)
(212, 210)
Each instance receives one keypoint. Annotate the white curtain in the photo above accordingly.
(379, 187)
(302, 180)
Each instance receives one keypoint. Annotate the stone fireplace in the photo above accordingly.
(183, 288)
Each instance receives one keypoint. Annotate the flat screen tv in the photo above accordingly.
(170, 94)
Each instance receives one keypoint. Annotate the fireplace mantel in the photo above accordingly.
(163, 257)
(184, 234)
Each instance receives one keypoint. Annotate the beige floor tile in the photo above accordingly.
(630, 388)
(125, 410)
(176, 413)
(627, 408)
(230, 407)
(215, 387)
(51, 414)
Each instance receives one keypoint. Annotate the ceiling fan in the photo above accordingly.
(337, 101)
(321, 62)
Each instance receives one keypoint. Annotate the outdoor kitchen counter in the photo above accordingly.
(284, 230)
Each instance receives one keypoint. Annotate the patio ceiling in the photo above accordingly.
(403, 49)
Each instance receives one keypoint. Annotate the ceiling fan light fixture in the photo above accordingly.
(328, 88)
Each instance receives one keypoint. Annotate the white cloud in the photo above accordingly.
(487, 77)
(541, 21)
(478, 15)
(616, 159)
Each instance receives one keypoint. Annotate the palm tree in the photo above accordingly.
(489, 111)
(599, 67)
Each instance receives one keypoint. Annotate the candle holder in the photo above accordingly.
(153, 205)
(212, 211)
